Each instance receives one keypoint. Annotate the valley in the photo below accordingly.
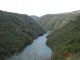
(49, 37)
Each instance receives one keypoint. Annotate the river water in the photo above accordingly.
(38, 50)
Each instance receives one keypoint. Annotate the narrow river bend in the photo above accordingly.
(38, 50)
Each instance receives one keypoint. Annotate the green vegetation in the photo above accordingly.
(16, 31)
(65, 41)
(55, 21)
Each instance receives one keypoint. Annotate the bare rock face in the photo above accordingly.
(18, 30)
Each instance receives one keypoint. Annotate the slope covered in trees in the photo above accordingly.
(16, 31)
(65, 42)
(55, 21)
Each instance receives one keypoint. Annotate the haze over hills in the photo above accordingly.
(34, 17)
(55, 21)
(16, 31)
(65, 42)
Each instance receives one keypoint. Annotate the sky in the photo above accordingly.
(39, 7)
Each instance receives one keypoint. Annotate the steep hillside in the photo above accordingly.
(65, 42)
(55, 21)
(16, 31)
(34, 17)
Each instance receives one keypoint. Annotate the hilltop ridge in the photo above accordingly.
(55, 21)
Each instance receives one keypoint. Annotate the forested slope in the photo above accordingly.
(65, 42)
(16, 31)
(55, 21)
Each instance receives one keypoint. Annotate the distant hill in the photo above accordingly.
(65, 42)
(55, 21)
(34, 17)
(16, 31)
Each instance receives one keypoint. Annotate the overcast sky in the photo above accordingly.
(39, 7)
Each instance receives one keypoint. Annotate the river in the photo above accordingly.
(38, 50)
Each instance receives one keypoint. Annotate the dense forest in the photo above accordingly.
(16, 31)
(55, 21)
(19, 30)
(65, 41)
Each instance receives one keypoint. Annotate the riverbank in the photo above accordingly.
(37, 50)
(65, 42)
(16, 31)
